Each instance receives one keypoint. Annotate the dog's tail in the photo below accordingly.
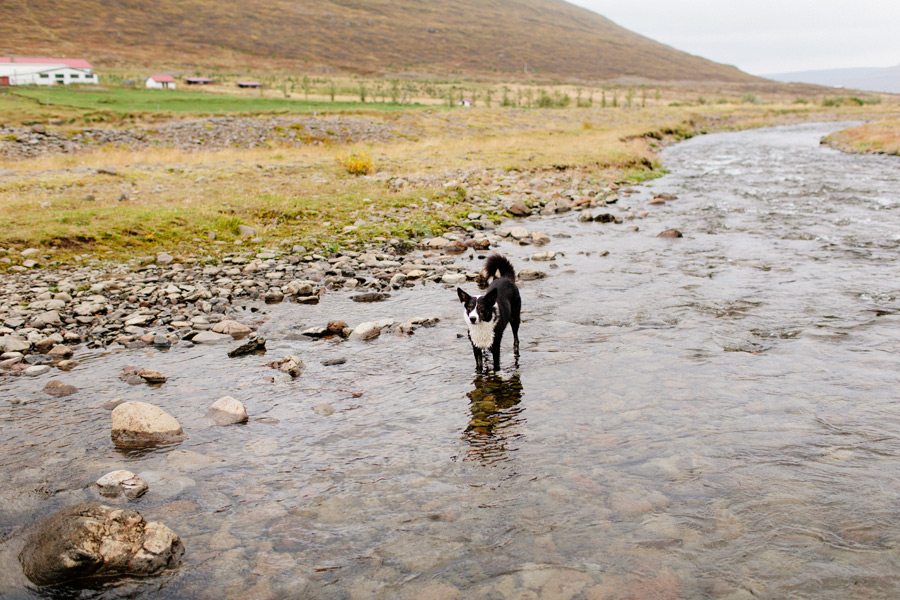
(497, 267)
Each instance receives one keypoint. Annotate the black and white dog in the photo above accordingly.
(487, 315)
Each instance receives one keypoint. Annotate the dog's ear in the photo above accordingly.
(490, 297)
(463, 297)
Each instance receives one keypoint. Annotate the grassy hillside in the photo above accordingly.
(528, 38)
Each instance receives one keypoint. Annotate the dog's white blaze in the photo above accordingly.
(482, 334)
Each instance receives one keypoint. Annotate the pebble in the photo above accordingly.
(37, 370)
(671, 234)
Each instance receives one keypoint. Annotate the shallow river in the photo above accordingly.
(709, 417)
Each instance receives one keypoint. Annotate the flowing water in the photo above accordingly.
(709, 417)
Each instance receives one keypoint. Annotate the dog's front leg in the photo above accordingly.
(495, 353)
(479, 361)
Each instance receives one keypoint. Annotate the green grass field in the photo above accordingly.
(102, 103)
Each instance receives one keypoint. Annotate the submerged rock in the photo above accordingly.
(91, 540)
(670, 233)
(138, 424)
(58, 389)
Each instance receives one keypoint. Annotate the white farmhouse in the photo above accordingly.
(25, 70)
(161, 82)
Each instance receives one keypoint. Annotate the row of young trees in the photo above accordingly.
(397, 91)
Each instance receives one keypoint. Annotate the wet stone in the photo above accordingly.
(671, 234)
(151, 376)
(91, 540)
(138, 424)
(227, 411)
(121, 484)
(254, 343)
(58, 389)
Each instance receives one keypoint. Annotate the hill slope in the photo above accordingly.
(531, 38)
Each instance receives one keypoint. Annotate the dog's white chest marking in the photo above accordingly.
(482, 334)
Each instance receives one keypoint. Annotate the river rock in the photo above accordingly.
(58, 389)
(670, 233)
(519, 209)
(336, 327)
(93, 540)
(37, 370)
(49, 318)
(370, 329)
(298, 288)
(273, 296)
(138, 424)
(227, 411)
(164, 258)
(232, 328)
(151, 376)
(518, 233)
(290, 364)
(370, 297)
(530, 275)
(254, 343)
(60, 351)
(209, 337)
(121, 484)
(544, 256)
(14, 343)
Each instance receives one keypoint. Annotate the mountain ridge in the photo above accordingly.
(873, 79)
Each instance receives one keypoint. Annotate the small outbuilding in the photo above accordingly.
(249, 84)
(197, 80)
(161, 82)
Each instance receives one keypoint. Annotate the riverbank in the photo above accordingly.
(881, 137)
(198, 189)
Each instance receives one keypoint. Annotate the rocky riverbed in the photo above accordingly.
(211, 133)
(47, 315)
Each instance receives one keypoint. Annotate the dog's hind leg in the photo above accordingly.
(514, 325)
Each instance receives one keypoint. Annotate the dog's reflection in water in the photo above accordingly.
(496, 412)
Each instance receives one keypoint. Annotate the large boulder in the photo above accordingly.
(91, 540)
(138, 424)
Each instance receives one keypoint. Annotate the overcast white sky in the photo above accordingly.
(767, 36)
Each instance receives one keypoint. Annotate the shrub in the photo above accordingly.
(357, 163)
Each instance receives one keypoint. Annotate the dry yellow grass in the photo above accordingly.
(882, 137)
(171, 199)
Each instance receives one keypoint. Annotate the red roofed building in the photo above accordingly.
(34, 70)
(161, 82)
